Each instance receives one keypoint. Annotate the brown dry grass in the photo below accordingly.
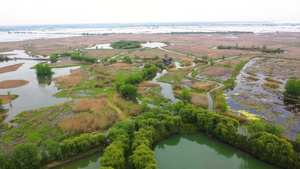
(103, 116)
(6, 99)
(233, 62)
(196, 44)
(271, 85)
(64, 61)
(142, 86)
(203, 86)
(125, 66)
(6, 84)
(200, 100)
(10, 68)
(68, 79)
(214, 71)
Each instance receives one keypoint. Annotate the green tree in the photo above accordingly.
(144, 105)
(258, 47)
(143, 157)
(127, 59)
(204, 57)
(128, 91)
(43, 70)
(292, 87)
(113, 61)
(264, 47)
(236, 46)
(186, 94)
(156, 57)
(53, 57)
(52, 148)
(211, 61)
(166, 55)
(26, 156)
(160, 65)
(298, 138)
(223, 57)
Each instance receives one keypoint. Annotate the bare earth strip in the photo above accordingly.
(7, 99)
(10, 68)
(12, 83)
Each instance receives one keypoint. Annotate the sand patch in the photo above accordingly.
(7, 99)
(6, 84)
(10, 68)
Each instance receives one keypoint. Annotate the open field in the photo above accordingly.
(10, 68)
(6, 84)
(196, 44)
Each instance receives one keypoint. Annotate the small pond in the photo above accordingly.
(101, 46)
(196, 151)
(154, 45)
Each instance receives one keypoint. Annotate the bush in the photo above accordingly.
(53, 149)
(128, 91)
(77, 56)
(53, 57)
(113, 61)
(43, 70)
(26, 156)
(292, 87)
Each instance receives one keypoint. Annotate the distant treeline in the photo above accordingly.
(74, 56)
(252, 48)
(210, 32)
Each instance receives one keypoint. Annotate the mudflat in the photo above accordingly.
(6, 84)
(10, 68)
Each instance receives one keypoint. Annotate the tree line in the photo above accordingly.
(29, 156)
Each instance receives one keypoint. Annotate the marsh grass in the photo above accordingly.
(270, 85)
(128, 107)
(203, 86)
(272, 80)
(101, 116)
(200, 100)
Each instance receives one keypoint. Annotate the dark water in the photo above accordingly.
(90, 162)
(34, 95)
(195, 151)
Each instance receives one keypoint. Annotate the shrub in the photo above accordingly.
(26, 156)
(292, 87)
(43, 70)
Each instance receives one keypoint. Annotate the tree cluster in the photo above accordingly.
(43, 70)
(29, 156)
(292, 87)
(77, 56)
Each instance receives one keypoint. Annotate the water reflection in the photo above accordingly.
(89, 162)
(194, 150)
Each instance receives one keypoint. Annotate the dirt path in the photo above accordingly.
(121, 113)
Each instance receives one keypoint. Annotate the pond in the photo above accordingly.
(37, 93)
(196, 151)
(89, 162)
(154, 45)
(101, 46)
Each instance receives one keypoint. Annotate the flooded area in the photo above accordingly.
(249, 96)
(154, 45)
(37, 93)
(101, 46)
(194, 150)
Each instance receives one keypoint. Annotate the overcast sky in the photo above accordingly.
(27, 12)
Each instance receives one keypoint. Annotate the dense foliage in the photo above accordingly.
(292, 87)
(127, 59)
(29, 156)
(125, 87)
(125, 44)
(53, 57)
(77, 56)
(43, 70)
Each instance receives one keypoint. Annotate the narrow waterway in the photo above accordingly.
(196, 151)
(167, 90)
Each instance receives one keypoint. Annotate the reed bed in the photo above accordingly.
(200, 100)
(203, 86)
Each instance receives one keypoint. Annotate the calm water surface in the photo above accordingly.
(195, 151)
